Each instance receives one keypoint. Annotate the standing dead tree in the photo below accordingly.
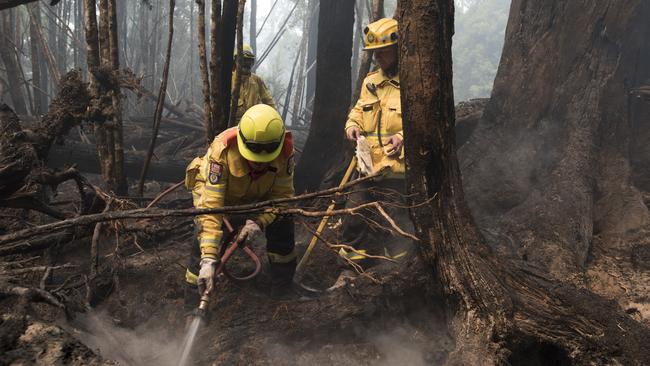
(335, 24)
(121, 186)
(216, 74)
(205, 78)
(366, 57)
(501, 311)
(161, 98)
(240, 50)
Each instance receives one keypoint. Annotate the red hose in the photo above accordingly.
(226, 255)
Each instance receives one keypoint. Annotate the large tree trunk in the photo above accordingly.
(335, 23)
(228, 28)
(121, 186)
(570, 177)
(501, 310)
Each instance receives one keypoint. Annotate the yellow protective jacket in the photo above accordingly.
(222, 178)
(253, 91)
(378, 113)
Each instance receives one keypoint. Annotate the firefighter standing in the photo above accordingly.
(245, 164)
(252, 90)
(377, 115)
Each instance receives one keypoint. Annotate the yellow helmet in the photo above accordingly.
(380, 34)
(260, 134)
(247, 50)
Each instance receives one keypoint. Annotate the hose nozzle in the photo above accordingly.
(203, 306)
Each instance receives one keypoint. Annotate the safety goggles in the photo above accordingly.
(257, 147)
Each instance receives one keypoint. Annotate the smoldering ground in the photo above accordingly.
(143, 345)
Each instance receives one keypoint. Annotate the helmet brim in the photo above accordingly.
(376, 47)
(264, 157)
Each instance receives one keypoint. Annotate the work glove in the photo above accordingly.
(206, 275)
(248, 232)
(394, 145)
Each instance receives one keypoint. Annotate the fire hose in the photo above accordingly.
(231, 248)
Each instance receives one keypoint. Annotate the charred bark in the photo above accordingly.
(234, 100)
(335, 24)
(366, 57)
(228, 28)
(40, 98)
(121, 187)
(218, 117)
(205, 77)
(502, 311)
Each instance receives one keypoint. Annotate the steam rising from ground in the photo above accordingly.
(402, 346)
(133, 347)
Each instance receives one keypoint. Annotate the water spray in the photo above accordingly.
(200, 313)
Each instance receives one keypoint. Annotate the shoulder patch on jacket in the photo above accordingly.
(214, 173)
(287, 147)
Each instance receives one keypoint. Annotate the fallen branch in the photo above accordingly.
(152, 213)
(31, 294)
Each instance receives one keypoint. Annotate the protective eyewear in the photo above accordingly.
(257, 147)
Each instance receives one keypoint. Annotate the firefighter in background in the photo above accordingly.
(253, 90)
(248, 163)
(377, 116)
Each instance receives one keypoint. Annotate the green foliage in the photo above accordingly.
(477, 46)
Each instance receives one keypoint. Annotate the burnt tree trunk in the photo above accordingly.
(252, 29)
(366, 57)
(226, 49)
(501, 311)
(217, 107)
(40, 98)
(121, 186)
(335, 24)
(234, 98)
(205, 77)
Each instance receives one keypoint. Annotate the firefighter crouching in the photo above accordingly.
(245, 164)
